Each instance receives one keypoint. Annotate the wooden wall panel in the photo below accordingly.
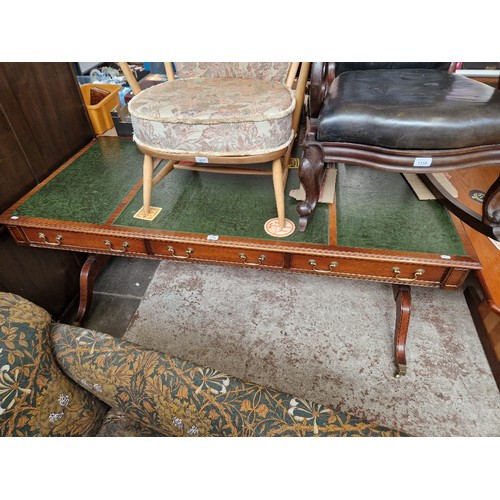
(43, 122)
(46, 111)
(16, 176)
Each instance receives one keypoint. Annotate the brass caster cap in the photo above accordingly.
(401, 371)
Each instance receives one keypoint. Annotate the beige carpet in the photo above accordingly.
(327, 340)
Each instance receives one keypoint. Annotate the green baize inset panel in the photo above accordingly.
(92, 187)
(225, 205)
(378, 209)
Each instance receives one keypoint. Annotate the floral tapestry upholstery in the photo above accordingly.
(36, 398)
(118, 424)
(214, 117)
(178, 398)
(276, 71)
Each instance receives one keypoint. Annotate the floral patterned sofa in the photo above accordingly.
(60, 380)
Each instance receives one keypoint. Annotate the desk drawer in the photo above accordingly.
(99, 243)
(185, 251)
(397, 272)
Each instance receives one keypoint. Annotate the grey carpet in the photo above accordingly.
(327, 340)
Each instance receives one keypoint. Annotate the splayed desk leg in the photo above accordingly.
(402, 296)
(90, 270)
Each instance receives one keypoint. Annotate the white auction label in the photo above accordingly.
(422, 162)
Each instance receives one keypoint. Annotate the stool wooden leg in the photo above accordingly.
(279, 190)
(163, 172)
(147, 183)
(285, 169)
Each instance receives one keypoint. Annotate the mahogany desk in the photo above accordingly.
(376, 230)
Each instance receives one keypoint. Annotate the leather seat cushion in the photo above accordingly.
(214, 116)
(410, 109)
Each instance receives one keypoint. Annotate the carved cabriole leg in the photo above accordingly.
(402, 296)
(311, 173)
(90, 270)
(491, 208)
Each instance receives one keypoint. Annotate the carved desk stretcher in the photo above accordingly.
(376, 230)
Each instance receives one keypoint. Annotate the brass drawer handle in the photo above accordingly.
(416, 274)
(261, 259)
(110, 246)
(55, 244)
(331, 267)
(189, 251)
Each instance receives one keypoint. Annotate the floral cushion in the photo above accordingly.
(214, 117)
(118, 424)
(36, 398)
(178, 398)
(277, 71)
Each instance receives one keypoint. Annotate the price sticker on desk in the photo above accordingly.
(422, 162)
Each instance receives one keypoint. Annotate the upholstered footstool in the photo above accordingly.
(216, 120)
(212, 117)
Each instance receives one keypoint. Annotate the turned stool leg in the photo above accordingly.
(147, 183)
(279, 190)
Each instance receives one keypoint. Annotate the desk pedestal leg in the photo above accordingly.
(90, 270)
(402, 296)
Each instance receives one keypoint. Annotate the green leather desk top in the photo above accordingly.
(375, 209)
